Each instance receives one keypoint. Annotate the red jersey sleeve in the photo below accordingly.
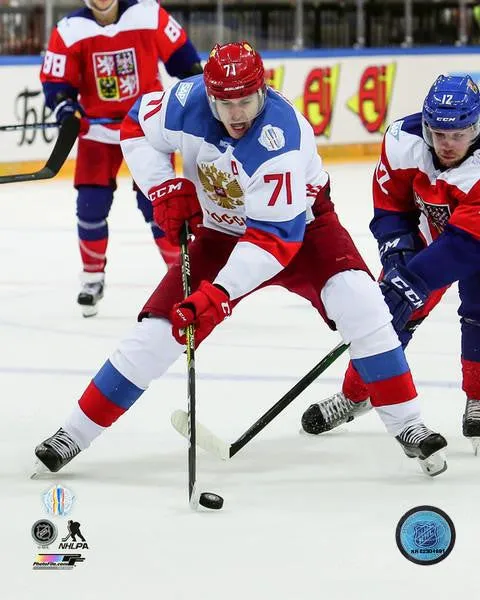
(61, 64)
(466, 214)
(170, 35)
(393, 188)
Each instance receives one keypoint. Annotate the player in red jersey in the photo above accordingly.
(99, 60)
(426, 193)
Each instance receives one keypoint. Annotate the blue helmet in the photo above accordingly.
(453, 102)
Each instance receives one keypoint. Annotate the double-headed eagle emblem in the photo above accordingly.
(221, 188)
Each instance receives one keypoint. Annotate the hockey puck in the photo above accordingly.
(211, 500)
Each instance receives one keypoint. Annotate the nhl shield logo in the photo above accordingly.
(425, 535)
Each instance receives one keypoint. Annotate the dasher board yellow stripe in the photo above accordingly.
(330, 154)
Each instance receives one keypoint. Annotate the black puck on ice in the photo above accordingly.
(211, 500)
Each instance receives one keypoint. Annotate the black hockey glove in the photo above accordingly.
(67, 107)
(404, 292)
(399, 250)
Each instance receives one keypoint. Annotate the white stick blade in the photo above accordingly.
(206, 440)
(194, 498)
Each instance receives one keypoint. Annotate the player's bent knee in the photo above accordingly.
(355, 303)
(147, 352)
(94, 203)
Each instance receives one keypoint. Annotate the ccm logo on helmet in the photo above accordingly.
(162, 190)
(446, 119)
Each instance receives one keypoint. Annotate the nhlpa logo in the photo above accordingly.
(272, 138)
(182, 92)
(70, 541)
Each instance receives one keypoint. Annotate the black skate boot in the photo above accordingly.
(471, 423)
(424, 444)
(56, 451)
(91, 293)
(332, 412)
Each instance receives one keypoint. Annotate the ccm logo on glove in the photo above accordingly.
(410, 295)
(174, 202)
(388, 245)
(205, 308)
(167, 188)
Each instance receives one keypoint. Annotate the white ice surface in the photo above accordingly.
(304, 518)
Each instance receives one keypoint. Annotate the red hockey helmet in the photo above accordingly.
(234, 71)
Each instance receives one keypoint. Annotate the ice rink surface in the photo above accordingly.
(304, 518)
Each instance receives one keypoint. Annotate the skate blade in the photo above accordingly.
(475, 445)
(89, 311)
(39, 469)
(434, 465)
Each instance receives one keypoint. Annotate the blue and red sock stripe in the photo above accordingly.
(387, 377)
(108, 396)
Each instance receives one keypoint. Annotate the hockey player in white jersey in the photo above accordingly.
(256, 197)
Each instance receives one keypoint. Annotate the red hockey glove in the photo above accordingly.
(174, 202)
(205, 308)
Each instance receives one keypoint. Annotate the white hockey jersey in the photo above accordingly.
(261, 187)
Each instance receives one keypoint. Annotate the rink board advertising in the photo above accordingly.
(348, 100)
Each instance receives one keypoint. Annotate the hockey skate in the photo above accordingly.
(422, 443)
(471, 423)
(91, 292)
(332, 412)
(55, 452)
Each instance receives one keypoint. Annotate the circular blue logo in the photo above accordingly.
(425, 535)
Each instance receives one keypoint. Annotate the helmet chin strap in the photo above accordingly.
(104, 11)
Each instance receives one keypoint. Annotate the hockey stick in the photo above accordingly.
(67, 135)
(190, 335)
(211, 443)
(19, 126)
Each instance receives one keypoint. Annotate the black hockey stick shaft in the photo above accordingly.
(22, 126)
(66, 139)
(190, 335)
(287, 399)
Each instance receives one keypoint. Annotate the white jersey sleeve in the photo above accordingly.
(146, 144)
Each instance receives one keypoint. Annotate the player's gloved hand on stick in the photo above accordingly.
(404, 292)
(66, 108)
(174, 202)
(399, 250)
(205, 308)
